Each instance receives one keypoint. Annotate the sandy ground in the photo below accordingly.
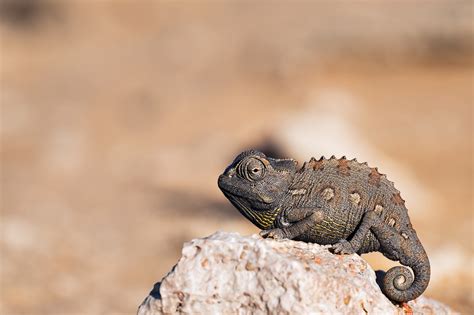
(117, 118)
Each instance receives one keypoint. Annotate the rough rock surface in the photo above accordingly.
(227, 273)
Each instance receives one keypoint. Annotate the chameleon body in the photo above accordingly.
(339, 202)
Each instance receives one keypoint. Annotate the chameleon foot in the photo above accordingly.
(343, 247)
(276, 234)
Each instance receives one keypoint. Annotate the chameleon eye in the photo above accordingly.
(254, 169)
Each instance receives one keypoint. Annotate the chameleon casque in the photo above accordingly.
(339, 202)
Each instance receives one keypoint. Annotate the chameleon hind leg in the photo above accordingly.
(370, 222)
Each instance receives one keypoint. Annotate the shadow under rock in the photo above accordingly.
(155, 293)
(379, 274)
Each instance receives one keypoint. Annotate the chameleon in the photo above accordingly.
(337, 202)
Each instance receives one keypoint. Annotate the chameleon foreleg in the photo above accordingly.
(299, 221)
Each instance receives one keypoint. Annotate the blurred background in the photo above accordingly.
(118, 116)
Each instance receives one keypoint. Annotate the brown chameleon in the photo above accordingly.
(339, 202)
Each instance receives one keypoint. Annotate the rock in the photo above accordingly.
(227, 273)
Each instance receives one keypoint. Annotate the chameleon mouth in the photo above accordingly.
(234, 200)
(225, 184)
(228, 189)
(263, 219)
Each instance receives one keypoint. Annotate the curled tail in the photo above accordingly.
(398, 283)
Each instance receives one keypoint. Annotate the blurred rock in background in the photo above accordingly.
(117, 118)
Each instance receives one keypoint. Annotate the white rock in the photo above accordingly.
(226, 273)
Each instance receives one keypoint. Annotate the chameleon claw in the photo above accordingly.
(343, 247)
(276, 234)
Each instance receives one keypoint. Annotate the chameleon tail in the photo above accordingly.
(398, 283)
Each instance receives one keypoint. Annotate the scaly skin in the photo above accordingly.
(339, 202)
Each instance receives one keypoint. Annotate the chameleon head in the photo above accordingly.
(255, 184)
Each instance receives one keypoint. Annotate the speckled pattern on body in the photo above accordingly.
(339, 202)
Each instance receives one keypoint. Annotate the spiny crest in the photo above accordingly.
(375, 176)
(397, 199)
(343, 163)
(314, 164)
(343, 166)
